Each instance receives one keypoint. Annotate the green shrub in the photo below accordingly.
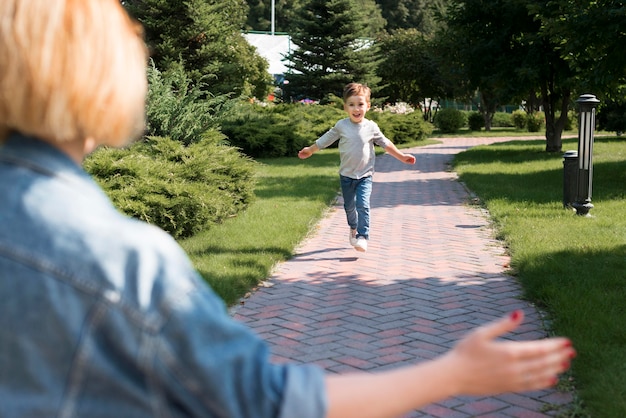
(475, 121)
(519, 119)
(277, 131)
(182, 189)
(612, 117)
(502, 120)
(449, 120)
(535, 121)
(402, 128)
(178, 109)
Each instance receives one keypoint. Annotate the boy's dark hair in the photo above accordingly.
(356, 89)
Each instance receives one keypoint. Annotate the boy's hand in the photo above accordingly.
(408, 159)
(305, 153)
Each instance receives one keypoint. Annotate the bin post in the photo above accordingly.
(570, 178)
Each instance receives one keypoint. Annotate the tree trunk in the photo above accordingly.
(554, 127)
(487, 108)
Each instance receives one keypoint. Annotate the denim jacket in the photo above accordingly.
(102, 315)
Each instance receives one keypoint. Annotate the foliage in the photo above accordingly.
(409, 68)
(535, 121)
(590, 37)
(179, 109)
(449, 120)
(475, 121)
(411, 14)
(502, 120)
(519, 119)
(285, 11)
(206, 36)
(402, 128)
(330, 50)
(181, 189)
(500, 51)
(277, 131)
(612, 117)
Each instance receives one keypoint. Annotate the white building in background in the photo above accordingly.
(274, 48)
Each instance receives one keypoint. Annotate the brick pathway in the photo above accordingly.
(432, 271)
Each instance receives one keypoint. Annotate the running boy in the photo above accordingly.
(357, 136)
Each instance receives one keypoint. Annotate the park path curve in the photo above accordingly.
(433, 270)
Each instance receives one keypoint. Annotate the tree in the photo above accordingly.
(286, 12)
(412, 14)
(410, 69)
(260, 15)
(206, 36)
(590, 36)
(504, 57)
(330, 51)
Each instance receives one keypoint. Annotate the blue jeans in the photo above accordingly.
(356, 202)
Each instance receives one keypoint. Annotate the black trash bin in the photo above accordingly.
(570, 178)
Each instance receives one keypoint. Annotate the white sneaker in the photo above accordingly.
(361, 244)
(353, 237)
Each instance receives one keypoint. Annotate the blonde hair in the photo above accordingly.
(357, 89)
(71, 70)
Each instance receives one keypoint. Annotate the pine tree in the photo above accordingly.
(331, 50)
(205, 36)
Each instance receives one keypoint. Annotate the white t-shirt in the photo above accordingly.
(356, 146)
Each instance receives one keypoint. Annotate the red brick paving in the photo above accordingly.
(432, 271)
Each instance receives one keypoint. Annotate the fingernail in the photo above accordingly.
(515, 315)
(572, 354)
(554, 381)
(567, 343)
(566, 365)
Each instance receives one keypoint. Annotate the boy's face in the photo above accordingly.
(356, 107)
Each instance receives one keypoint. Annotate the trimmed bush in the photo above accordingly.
(612, 117)
(449, 120)
(475, 121)
(502, 120)
(182, 189)
(535, 121)
(402, 128)
(519, 119)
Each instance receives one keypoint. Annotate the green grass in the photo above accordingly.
(574, 267)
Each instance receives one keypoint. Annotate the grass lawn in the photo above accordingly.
(574, 267)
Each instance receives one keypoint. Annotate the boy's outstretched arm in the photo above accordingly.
(306, 152)
(392, 150)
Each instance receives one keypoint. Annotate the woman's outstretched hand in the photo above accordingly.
(488, 366)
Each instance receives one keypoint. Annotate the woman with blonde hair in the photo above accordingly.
(102, 315)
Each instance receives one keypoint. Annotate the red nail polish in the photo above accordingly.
(515, 315)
